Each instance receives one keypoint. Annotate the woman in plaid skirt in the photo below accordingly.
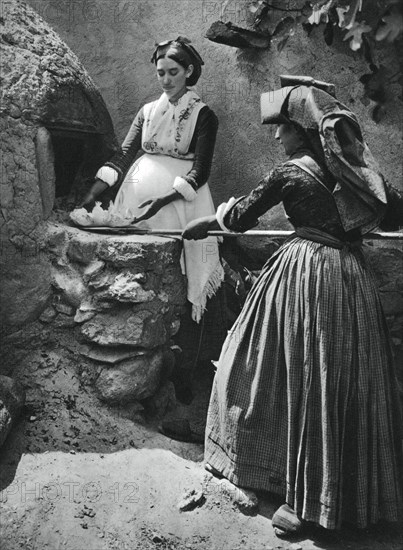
(305, 400)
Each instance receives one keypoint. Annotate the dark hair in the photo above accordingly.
(183, 53)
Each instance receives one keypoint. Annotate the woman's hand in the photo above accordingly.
(198, 229)
(97, 188)
(154, 206)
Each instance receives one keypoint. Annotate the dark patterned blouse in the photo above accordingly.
(307, 203)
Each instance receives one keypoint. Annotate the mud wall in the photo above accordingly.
(40, 77)
(115, 40)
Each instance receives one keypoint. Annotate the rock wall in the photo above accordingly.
(386, 259)
(121, 296)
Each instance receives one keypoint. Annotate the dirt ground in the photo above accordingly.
(79, 475)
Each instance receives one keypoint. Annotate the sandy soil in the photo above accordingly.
(79, 475)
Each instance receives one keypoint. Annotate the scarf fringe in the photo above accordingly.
(211, 287)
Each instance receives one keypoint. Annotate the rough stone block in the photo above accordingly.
(64, 308)
(56, 239)
(83, 316)
(109, 355)
(93, 270)
(89, 307)
(125, 288)
(134, 379)
(101, 280)
(83, 249)
(145, 253)
(126, 327)
(64, 321)
(69, 282)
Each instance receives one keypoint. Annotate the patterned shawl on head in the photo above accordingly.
(360, 192)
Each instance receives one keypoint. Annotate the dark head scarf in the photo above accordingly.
(359, 193)
(181, 51)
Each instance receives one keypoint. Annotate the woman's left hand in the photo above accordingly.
(154, 206)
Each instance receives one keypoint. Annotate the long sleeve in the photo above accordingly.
(124, 158)
(306, 202)
(246, 211)
(202, 144)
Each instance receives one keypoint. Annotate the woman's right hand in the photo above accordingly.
(96, 189)
(154, 206)
(199, 228)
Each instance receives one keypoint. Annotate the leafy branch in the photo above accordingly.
(347, 15)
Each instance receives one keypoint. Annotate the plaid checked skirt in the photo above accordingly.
(305, 400)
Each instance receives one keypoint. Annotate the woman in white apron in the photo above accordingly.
(167, 186)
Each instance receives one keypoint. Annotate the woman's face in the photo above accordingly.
(172, 77)
(288, 136)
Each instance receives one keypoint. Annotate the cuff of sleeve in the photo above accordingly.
(184, 188)
(222, 210)
(107, 174)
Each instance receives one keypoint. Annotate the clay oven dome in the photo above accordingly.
(56, 132)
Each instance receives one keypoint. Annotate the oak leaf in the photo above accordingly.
(354, 34)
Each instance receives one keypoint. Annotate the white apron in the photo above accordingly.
(166, 136)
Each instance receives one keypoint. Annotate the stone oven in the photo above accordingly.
(56, 131)
(112, 300)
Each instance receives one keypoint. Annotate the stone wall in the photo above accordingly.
(386, 259)
(119, 298)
